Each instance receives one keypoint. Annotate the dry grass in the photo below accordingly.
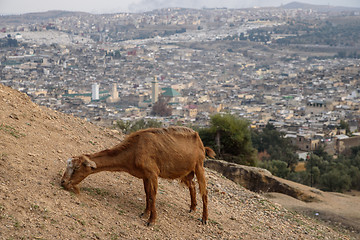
(300, 167)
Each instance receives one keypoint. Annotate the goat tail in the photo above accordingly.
(210, 152)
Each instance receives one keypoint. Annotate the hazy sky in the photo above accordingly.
(111, 6)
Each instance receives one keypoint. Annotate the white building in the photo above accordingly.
(95, 95)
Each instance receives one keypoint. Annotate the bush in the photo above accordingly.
(335, 180)
(276, 167)
(354, 174)
(302, 177)
(132, 126)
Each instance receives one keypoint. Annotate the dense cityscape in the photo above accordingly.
(260, 108)
(111, 67)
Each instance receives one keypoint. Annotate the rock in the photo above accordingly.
(14, 116)
(256, 179)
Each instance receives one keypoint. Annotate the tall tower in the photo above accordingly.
(114, 97)
(155, 91)
(95, 92)
(114, 92)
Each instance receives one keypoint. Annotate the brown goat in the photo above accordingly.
(171, 153)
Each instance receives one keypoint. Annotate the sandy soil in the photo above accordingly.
(34, 145)
(338, 210)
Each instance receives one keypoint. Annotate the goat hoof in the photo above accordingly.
(203, 221)
(149, 224)
(192, 210)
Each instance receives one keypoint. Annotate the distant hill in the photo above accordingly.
(320, 8)
(34, 145)
(53, 14)
(38, 16)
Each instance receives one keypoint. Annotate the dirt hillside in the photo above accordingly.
(337, 209)
(34, 145)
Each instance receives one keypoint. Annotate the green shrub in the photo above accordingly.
(335, 180)
(276, 167)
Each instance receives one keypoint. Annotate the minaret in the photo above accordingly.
(114, 96)
(155, 91)
(114, 92)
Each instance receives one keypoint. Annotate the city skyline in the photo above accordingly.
(111, 6)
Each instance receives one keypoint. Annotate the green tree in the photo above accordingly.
(230, 136)
(335, 180)
(355, 161)
(344, 125)
(314, 173)
(354, 174)
(320, 151)
(329, 174)
(276, 167)
(124, 126)
(302, 177)
(132, 126)
(272, 141)
(142, 124)
(316, 161)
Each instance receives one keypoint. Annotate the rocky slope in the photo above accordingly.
(261, 180)
(34, 145)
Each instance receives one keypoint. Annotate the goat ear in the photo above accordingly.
(90, 163)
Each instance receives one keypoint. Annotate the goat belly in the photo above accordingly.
(175, 172)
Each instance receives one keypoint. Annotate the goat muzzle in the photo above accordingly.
(66, 184)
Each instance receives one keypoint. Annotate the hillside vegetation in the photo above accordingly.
(34, 145)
